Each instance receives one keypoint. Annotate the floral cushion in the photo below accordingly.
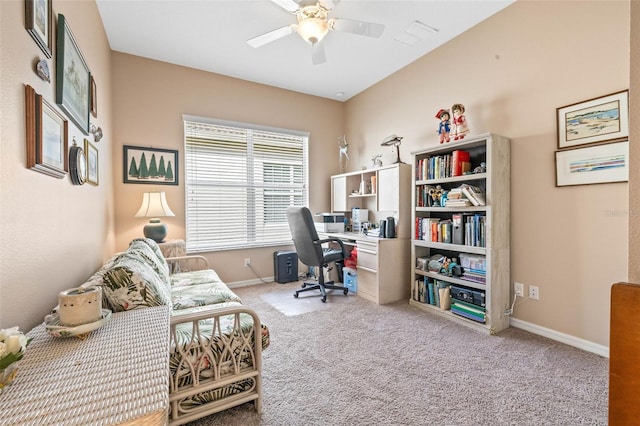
(129, 281)
(148, 249)
(212, 293)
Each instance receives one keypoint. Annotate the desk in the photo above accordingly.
(383, 266)
(118, 375)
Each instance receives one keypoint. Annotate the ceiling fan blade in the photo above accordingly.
(288, 5)
(357, 27)
(317, 54)
(274, 35)
(329, 4)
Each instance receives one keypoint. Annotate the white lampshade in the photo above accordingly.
(313, 30)
(154, 204)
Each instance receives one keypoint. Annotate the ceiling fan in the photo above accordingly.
(313, 24)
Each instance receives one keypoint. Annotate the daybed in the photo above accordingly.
(215, 359)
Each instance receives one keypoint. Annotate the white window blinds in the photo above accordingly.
(239, 182)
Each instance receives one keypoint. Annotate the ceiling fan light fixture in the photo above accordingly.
(312, 30)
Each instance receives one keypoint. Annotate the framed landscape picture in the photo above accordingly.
(91, 153)
(72, 78)
(594, 164)
(46, 136)
(150, 165)
(604, 119)
(38, 23)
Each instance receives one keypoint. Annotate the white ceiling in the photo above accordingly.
(211, 35)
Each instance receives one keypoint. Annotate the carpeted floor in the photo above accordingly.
(351, 362)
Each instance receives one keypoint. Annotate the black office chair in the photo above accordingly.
(310, 250)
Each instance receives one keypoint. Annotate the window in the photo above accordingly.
(240, 179)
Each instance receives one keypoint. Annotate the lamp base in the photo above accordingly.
(155, 230)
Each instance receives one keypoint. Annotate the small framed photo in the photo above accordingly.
(46, 136)
(94, 97)
(594, 164)
(150, 165)
(72, 77)
(38, 23)
(91, 154)
(599, 120)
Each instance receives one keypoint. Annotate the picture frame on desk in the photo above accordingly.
(599, 120)
(592, 165)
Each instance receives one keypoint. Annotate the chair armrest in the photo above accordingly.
(187, 264)
(345, 252)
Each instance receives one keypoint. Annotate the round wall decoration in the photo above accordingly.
(77, 165)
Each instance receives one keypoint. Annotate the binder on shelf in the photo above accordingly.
(457, 228)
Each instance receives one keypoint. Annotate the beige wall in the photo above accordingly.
(512, 72)
(150, 98)
(53, 234)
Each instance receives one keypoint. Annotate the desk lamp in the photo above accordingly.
(154, 205)
(394, 140)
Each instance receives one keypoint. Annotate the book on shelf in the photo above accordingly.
(473, 262)
(474, 278)
(468, 311)
(460, 162)
(475, 230)
(474, 194)
(460, 202)
(444, 231)
(432, 300)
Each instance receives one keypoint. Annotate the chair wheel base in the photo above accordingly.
(295, 294)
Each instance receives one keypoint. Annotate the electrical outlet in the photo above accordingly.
(534, 292)
(247, 262)
(518, 289)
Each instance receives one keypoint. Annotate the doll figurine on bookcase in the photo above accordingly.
(459, 128)
(445, 125)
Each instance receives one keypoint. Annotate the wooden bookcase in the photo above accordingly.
(494, 152)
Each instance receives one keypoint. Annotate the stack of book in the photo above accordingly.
(373, 232)
(474, 268)
(455, 198)
(474, 194)
(468, 310)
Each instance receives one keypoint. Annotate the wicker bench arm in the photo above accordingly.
(221, 348)
(187, 263)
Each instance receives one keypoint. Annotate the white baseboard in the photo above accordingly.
(561, 337)
(248, 283)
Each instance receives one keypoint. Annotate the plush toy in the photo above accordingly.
(445, 125)
(459, 127)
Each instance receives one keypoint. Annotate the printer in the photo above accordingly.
(329, 222)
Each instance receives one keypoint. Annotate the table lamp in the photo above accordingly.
(154, 205)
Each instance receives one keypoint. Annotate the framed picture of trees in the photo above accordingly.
(150, 165)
